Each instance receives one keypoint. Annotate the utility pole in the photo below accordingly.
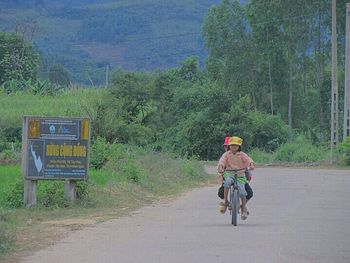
(334, 110)
(346, 120)
(107, 73)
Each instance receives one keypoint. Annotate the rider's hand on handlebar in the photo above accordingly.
(221, 169)
(251, 167)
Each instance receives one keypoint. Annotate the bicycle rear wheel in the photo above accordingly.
(234, 206)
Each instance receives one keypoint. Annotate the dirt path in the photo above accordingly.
(297, 215)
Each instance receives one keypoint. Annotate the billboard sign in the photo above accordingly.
(55, 148)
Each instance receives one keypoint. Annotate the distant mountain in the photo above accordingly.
(86, 35)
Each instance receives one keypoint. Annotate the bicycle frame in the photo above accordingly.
(234, 196)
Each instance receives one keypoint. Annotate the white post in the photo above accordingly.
(334, 109)
(346, 120)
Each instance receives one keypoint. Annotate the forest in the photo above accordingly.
(86, 36)
(267, 78)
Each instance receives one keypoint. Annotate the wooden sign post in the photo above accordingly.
(54, 149)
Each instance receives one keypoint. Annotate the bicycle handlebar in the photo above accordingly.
(236, 170)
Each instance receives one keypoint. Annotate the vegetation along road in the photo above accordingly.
(296, 215)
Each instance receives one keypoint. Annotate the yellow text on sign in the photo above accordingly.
(65, 150)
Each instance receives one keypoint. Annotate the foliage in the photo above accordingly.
(14, 197)
(261, 157)
(300, 150)
(344, 150)
(59, 75)
(267, 132)
(120, 114)
(18, 59)
(265, 69)
(52, 194)
(36, 87)
(100, 152)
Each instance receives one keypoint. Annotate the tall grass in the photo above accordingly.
(73, 102)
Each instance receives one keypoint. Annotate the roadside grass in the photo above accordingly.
(120, 187)
(73, 102)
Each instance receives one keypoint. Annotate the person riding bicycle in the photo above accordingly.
(234, 158)
(248, 174)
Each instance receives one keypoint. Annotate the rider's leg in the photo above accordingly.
(243, 194)
(244, 204)
(249, 191)
(227, 184)
(226, 195)
(224, 204)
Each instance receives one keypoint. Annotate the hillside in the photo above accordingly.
(86, 35)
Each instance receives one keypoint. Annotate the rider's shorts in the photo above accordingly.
(241, 186)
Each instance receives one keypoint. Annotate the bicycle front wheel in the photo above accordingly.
(234, 206)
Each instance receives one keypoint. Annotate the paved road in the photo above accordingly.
(297, 215)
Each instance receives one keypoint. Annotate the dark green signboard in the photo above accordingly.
(56, 148)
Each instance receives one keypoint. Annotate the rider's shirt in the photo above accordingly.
(238, 160)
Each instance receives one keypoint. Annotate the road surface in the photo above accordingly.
(296, 215)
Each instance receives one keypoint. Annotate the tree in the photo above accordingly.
(18, 59)
(59, 75)
(231, 60)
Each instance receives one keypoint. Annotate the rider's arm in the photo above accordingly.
(249, 163)
(222, 164)
(251, 166)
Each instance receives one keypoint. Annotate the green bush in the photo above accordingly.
(130, 170)
(261, 157)
(14, 198)
(83, 189)
(100, 152)
(51, 193)
(344, 151)
(300, 150)
(189, 170)
(4, 145)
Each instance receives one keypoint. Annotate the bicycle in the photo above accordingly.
(234, 204)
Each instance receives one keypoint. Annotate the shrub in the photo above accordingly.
(83, 189)
(260, 156)
(344, 150)
(131, 170)
(300, 150)
(100, 153)
(189, 170)
(14, 198)
(52, 194)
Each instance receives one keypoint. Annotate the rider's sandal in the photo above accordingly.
(223, 207)
(240, 208)
(244, 215)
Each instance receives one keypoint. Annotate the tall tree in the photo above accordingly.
(18, 59)
(228, 40)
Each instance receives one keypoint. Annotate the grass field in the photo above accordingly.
(74, 102)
